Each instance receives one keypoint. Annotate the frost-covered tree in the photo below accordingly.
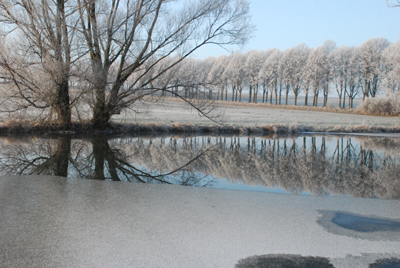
(235, 74)
(294, 61)
(286, 66)
(315, 69)
(371, 54)
(391, 67)
(38, 54)
(272, 73)
(253, 65)
(330, 47)
(354, 76)
(264, 77)
(125, 35)
(216, 76)
(341, 76)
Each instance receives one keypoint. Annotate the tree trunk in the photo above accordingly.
(306, 99)
(350, 106)
(286, 101)
(340, 92)
(101, 112)
(63, 105)
(326, 92)
(99, 149)
(62, 156)
(344, 99)
(250, 91)
(270, 97)
(62, 47)
(101, 115)
(255, 94)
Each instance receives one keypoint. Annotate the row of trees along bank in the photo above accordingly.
(347, 72)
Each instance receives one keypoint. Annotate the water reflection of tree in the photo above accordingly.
(320, 165)
(91, 159)
(44, 157)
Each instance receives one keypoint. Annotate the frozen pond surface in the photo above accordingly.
(358, 166)
(339, 207)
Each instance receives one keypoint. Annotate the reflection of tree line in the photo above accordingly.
(319, 165)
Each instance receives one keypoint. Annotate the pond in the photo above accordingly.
(357, 166)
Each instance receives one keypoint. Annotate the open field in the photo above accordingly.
(171, 111)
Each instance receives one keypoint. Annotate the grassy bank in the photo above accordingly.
(11, 127)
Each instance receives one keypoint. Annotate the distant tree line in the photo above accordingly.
(348, 72)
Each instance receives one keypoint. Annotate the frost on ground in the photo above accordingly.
(171, 111)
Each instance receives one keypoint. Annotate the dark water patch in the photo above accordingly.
(386, 263)
(364, 224)
(359, 226)
(284, 261)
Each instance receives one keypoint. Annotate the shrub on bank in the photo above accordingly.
(381, 106)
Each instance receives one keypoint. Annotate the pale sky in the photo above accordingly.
(286, 23)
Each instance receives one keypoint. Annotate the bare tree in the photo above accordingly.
(342, 72)
(39, 60)
(264, 77)
(124, 35)
(271, 73)
(371, 54)
(314, 73)
(286, 65)
(236, 74)
(253, 65)
(391, 67)
(216, 76)
(329, 47)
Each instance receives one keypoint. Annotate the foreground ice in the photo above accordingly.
(57, 222)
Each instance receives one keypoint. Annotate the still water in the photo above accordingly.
(318, 165)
